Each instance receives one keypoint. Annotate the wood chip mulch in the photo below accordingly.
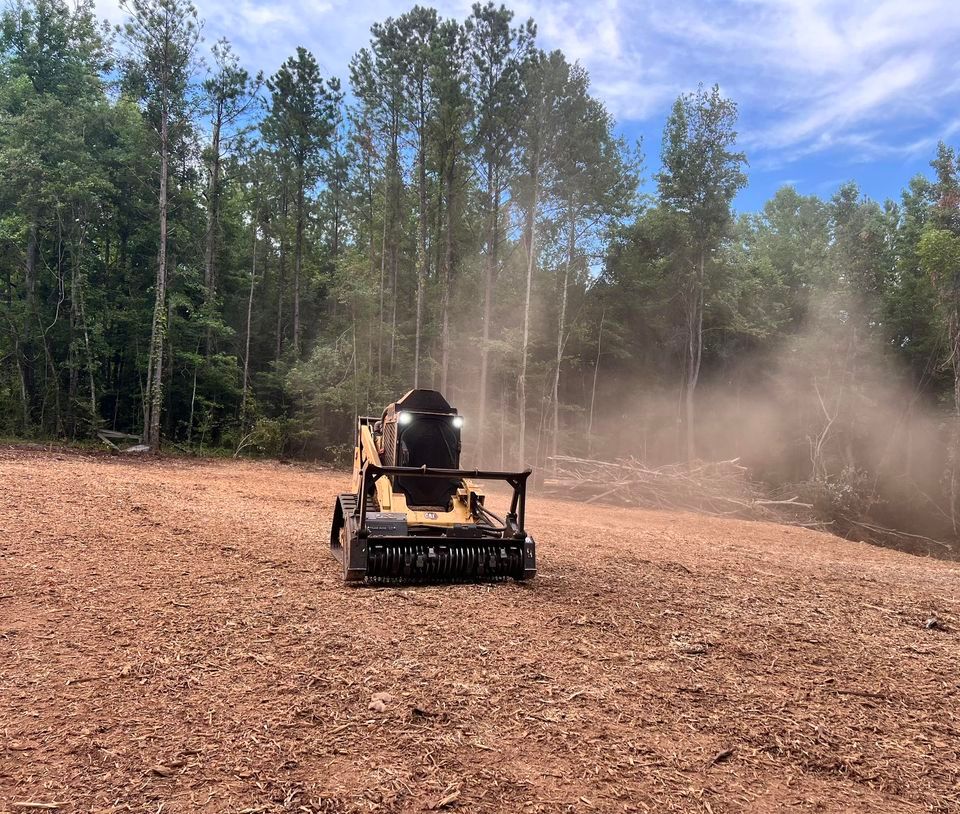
(174, 637)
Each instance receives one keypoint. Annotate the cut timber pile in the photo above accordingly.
(720, 488)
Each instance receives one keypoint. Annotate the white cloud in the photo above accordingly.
(814, 75)
(874, 94)
(810, 75)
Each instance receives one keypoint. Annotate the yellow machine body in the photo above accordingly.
(412, 514)
(391, 501)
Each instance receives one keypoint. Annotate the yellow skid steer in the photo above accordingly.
(414, 515)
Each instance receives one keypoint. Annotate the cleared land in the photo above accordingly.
(174, 637)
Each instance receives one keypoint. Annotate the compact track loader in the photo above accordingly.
(414, 515)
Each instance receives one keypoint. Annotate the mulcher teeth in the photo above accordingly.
(439, 563)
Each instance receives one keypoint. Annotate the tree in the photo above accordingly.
(792, 235)
(910, 301)
(939, 253)
(252, 285)
(229, 97)
(52, 56)
(594, 185)
(376, 76)
(497, 51)
(418, 30)
(299, 125)
(448, 117)
(336, 173)
(161, 38)
(546, 83)
(701, 175)
(257, 171)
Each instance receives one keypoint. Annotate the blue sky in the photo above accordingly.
(828, 91)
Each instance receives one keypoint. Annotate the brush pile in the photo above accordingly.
(720, 488)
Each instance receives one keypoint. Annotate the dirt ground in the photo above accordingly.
(174, 637)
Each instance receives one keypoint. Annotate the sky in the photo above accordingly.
(828, 90)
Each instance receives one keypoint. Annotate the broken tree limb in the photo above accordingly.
(720, 488)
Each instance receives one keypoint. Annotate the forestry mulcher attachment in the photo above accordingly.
(414, 515)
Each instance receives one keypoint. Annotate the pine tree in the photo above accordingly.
(299, 126)
(161, 38)
(229, 96)
(701, 175)
(497, 51)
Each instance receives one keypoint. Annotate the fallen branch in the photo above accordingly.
(719, 488)
(894, 533)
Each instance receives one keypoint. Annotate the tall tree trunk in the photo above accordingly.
(27, 379)
(695, 354)
(421, 246)
(372, 248)
(73, 362)
(246, 342)
(953, 450)
(394, 250)
(193, 403)
(437, 229)
(51, 370)
(368, 378)
(525, 344)
(79, 318)
(30, 266)
(47, 352)
(78, 305)
(94, 412)
(21, 375)
(393, 305)
(371, 244)
(561, 325)
(593, 390)
(281, 274)
(279, 329)
(447, 278)
(153, 400)
(383, 276)
(335, 224)
(117, 377)
(169, 359)
(213, 217)
(298, 264)
(489, 276)
(24, 394)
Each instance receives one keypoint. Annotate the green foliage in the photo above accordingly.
(298, 124)
(161, 38)
(939, 252)
(702, 172)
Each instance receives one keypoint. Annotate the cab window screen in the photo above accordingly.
(434, 442)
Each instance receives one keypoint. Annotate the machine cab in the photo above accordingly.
(421, 429)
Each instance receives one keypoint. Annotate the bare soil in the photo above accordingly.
(175, 637)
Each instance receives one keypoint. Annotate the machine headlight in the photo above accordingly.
(457, 421)
(404, 418)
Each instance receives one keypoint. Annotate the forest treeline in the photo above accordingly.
(210, 258)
